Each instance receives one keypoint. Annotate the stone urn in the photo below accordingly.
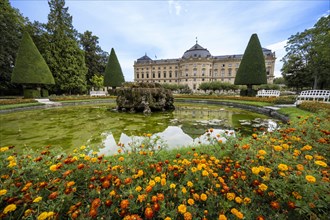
(144, 97)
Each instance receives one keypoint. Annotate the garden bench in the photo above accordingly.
(268, 93)
(314, 95)
(97, 93)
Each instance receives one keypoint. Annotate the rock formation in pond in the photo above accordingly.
(144, 97)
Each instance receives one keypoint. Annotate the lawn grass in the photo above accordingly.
(13, 106)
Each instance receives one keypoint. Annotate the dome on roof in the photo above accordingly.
(196, 51)
(144, 58)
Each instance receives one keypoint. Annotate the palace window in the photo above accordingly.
(195, 71)
(229, 72)
(153, 75)
(147, 75)
(158, 74)
(142, 76)
(170, 74)
(237, 64)
(176, 73)
(164, 73)
(223, 65)
(137, 75)
(229, 65)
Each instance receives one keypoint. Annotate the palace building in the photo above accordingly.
(196, 66)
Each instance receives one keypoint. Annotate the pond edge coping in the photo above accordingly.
(262, 110)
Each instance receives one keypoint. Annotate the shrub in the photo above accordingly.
(315, 106)
(31, 93)
(285, 100)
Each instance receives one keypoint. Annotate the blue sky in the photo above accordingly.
(167, 29)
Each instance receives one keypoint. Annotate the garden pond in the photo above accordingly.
(101, 128)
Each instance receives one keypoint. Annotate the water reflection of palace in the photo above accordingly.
(172, 136)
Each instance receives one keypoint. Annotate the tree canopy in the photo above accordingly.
(252, 69)
(113, 75)
(63, 55)
(30, 66)
(11, 26)
(307, 62)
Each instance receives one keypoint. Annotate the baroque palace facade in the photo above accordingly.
(196, 66)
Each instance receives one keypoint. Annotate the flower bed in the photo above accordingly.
(278, 175)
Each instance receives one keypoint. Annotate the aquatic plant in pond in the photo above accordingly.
(69, 127)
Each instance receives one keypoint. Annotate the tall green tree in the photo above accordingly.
(113, 75)
(252, 70)
(11, 26)
(307, 62)
(30, 66)
(63, 55)
(95, 57)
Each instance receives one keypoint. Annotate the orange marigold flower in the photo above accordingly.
(308, 157)
(222, 217)
(277, 148)
(203, 197)
(306, 147)
(262, 152)
(187, 216)
(300, 167)
(191, 201)
(230, 196)
(121, 159)
(124, 204)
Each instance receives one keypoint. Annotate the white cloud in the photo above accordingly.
(279, 49)
(176, 5)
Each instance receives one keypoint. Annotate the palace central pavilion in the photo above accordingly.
(196, 66)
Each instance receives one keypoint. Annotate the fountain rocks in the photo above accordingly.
(144, 97)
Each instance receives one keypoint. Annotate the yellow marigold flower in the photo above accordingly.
(38, 199)
(222, 217)
(300, 167)
(190, 184)
(172, 186)
(149, 135)
(182, 208)
(203, 197)
(306, 147)
(238, 200)
(262, 152)
(191, 201)
(277, 148)
(283, 167)
(308, 157)
(184, 190)
(3, 192)
(121, 159)
(193, 169)
(217, 185)
(3, 149)
(255, 170)
(140, 173)
(310, 179)
(247, 200)
(318, 157)
(230, 196)
(10, 158)
(263, 187)
(45, 215)
(27, 212)
(152, 183)
(94, 160)
(157, 179)
(205, 173)
(71, 183)
(83, 147)
(163, 182)
(53, 167)
(285, 146)
(167, 218)
(138, 188)
(9, 208)
(321, 163)
(112, 193)
(296, 152)
(141, 198)
(86, 157)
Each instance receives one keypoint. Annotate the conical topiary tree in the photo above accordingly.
(30, 67)
(252, 70)
(113, 75)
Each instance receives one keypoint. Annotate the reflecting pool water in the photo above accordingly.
(101, 128)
